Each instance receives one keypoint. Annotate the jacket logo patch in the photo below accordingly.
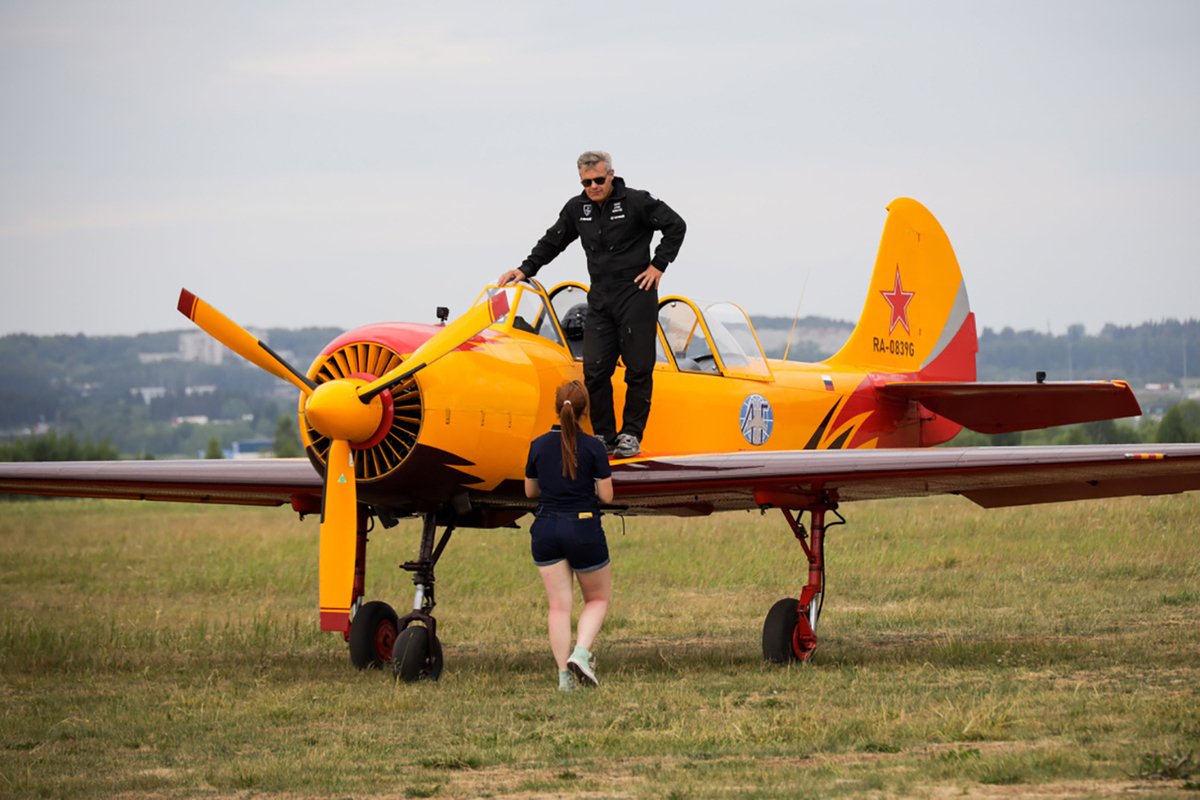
(587, 209)
(617, 207)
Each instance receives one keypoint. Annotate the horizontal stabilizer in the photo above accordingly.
(1009, 407)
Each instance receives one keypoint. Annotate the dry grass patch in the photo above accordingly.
(172, 651)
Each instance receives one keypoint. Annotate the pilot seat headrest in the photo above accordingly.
(573, 321)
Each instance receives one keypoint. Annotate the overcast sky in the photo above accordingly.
(318, 163)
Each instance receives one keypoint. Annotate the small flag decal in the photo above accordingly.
(828, 381)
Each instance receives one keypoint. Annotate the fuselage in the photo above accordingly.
(465, 427)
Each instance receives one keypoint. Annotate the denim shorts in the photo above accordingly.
(559, 535)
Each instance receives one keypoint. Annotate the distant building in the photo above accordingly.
(149, 393)
(198, 346)
(194, 419)
(253, 448)
(156, 358)
(199, 391)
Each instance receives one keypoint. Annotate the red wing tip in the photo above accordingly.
(187, 303)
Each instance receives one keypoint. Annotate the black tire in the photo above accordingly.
(435, 661)
(372, 635)
(414, 657)
(778, 630)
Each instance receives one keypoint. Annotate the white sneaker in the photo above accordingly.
(583, 671)
(628, 446)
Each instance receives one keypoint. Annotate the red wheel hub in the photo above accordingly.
(385, 638)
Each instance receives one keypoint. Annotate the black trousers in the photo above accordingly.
(622, 321)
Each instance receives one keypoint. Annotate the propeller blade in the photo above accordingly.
(339, 531)
(239, 340)
(444, 341)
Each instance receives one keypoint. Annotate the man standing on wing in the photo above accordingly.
(615, 225)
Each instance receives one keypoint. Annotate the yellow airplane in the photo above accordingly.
(407, 419)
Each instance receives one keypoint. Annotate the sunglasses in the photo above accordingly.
(589, 181)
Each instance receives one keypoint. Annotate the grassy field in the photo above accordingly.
(170, 651)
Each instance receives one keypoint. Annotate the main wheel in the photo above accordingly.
(415, 657)
(778, 630)
(372, 635)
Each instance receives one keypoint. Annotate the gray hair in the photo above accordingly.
(593, 157)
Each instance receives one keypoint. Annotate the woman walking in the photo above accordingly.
(570, 475)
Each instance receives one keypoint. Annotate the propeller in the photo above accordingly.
(447, 339)
(347, 411)
(239, 340)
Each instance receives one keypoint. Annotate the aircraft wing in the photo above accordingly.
(690, 485)
(262, 482)
(989, 476)
(1009, 407)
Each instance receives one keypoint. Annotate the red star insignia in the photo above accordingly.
(899, 300)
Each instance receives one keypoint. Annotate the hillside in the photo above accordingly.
(109, 388)
(1153, 352)
(140, 394)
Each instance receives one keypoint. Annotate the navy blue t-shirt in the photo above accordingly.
(559, 492)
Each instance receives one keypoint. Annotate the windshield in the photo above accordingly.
(528, 311)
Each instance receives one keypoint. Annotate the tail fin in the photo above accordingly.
(917, 318)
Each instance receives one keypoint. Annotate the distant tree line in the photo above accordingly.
(1153, 352)
(1181, 423)
(52, 447)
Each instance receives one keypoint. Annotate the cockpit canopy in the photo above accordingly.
(715, 338)
(694, 333)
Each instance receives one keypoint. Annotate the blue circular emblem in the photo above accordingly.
(756, 419)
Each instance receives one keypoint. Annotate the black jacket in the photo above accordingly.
(616, 235)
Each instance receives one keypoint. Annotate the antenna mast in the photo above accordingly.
(797, 317)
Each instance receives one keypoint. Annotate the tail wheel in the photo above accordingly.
(375, 360)
(372, 635)
(415, 657)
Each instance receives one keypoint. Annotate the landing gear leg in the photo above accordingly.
(790, 630)
(372, 629)
(417, 653)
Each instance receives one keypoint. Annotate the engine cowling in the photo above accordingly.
(464, 424)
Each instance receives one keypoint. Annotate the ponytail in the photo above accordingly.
(570, 459)
(572, 401)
